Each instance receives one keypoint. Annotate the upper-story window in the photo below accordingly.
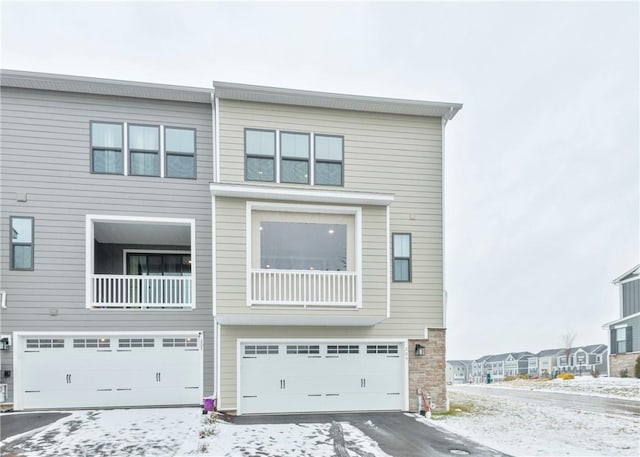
(141, 152)
(260, 150)
(294, 157)
(329, 159)
(144, 150)
(21, 257)
(180, 147)
(402, 257)
(106, 148)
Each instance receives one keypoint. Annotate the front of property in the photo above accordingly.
(278, 249)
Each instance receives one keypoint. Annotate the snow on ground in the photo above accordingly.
(279, 440)
(626, 388)
(530, 428)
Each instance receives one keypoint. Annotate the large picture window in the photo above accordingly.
(260, 151)
(180, 149)
(21, 257)
(144, 150)
(303, 246)
(106, 148)
(402, 257)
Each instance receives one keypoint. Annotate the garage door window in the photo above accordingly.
(303, 349)
(382, 349)
(261, 349)
(343, 349)
(179, 343)
(89, 343)
(136, 343)
(45, 343)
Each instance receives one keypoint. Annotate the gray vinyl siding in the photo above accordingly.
(383, 153)
(46, 154)
(630, 298)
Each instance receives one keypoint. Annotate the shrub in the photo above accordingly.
(523, 376)
(509, 378)
(624, 373)
(636, 371)
(566, 376)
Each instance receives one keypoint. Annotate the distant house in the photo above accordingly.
(577, 360)
(479, 369)
(545, 362)
(624, 333)
(517, 363)
(459, 371)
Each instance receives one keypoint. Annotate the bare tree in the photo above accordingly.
(567, 343)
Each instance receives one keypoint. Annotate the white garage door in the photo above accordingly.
(110, 370)
(313, 377)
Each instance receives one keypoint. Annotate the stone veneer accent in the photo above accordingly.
(428, 373)
(618, 362)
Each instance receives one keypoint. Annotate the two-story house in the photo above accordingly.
(459, 371)
(517, 363)
(479, 368)
(624, 333)
(279, 249)
(106, 242)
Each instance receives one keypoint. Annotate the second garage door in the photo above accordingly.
(314, 377)
(110, 370)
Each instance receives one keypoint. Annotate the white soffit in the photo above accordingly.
(262, 94)
(299, 195)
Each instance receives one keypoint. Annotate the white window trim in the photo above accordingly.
(315, 209)
(91, 219)
(400, 341)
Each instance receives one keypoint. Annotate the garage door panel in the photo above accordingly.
(308, 377)
(87, 371)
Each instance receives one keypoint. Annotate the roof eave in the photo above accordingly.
(276, 95)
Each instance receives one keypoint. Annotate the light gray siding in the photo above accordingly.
(46, 154)
(630, 298)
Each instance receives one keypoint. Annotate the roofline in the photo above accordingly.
(617, 321)
(277, 95)
(101, 86)
(625, 274)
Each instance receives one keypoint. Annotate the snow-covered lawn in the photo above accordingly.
(529, 428)
(626, 388)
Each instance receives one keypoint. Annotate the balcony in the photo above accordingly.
(140, 263)
(141, 291)
(304, 288)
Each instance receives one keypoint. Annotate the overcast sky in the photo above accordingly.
(542, 173)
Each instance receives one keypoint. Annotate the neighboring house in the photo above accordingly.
(517, 363)
(479, 369)
(624, 333)
(278, 249)
(544, 364)
(459, 371)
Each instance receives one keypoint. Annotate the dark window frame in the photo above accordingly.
(131, 150)
(316, 160)
(282, 158)
(263, 157)
(12, 244)
(167, 152)
(92, 148)
(394, 257)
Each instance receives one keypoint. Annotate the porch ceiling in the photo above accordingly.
(141, 233)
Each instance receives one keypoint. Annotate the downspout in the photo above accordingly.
(215, 177)
(445, 119)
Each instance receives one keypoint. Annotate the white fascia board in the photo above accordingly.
(335, 320)
(617, 321)
(622, 277)
(299, 195)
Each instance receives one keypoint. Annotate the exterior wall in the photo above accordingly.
(630, 298)
(634, 323)
(428, 373)
(619, 362)
(383, 153)
(46, 154)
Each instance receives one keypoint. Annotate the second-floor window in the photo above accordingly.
(21, 257)
(106, 148)
(180, 147)
(294, 157)
(402, 257)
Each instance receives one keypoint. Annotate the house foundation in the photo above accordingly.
(621, 362)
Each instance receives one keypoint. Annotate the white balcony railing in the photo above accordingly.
(144, 291)
(306, 288)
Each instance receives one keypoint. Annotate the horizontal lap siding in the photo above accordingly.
(46, 154)
(385, 153)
